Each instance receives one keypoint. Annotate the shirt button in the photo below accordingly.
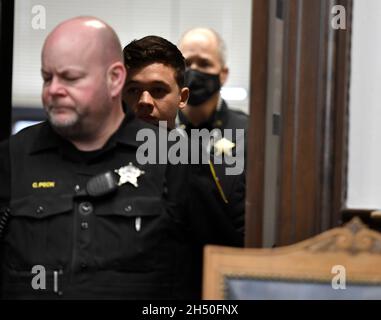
(128, 208)
(40, 209)
(84, 225)
(86, 208)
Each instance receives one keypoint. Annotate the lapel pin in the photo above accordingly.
(224, 146)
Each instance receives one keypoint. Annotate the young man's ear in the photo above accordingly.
(184, 95)
(116, 77)
(224, 75)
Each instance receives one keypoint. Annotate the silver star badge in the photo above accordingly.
(129, 174)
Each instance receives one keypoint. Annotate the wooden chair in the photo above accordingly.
(342, 263)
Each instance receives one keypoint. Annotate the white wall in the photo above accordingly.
(132, 19)
(364, 167)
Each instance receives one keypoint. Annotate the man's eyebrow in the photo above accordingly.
(157, 82)
(65, 70)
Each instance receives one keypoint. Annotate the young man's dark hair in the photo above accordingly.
(151, 49)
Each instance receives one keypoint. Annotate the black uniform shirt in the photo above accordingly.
(233, 186)
(127, 244)
(217, 221)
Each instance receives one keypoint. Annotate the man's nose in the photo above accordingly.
(56, 87)
(145, 104)
(146, 99)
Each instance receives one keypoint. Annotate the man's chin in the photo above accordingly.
(65, 126)
(62, 121)
(149, 119)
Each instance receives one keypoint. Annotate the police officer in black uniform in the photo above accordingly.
(82, 216)
(216, 205)
(204, 53)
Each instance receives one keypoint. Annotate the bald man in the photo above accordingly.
(205, 55)
(80, 216)
(82, 82)
(206, 71)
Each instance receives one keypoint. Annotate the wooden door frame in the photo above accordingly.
(257, 124)
(330, 200)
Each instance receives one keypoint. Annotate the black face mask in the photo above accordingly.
(201, 86)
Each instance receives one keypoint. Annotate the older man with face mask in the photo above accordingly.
(80, 216)
(205, 55)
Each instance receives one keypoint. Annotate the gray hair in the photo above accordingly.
(220, 42)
